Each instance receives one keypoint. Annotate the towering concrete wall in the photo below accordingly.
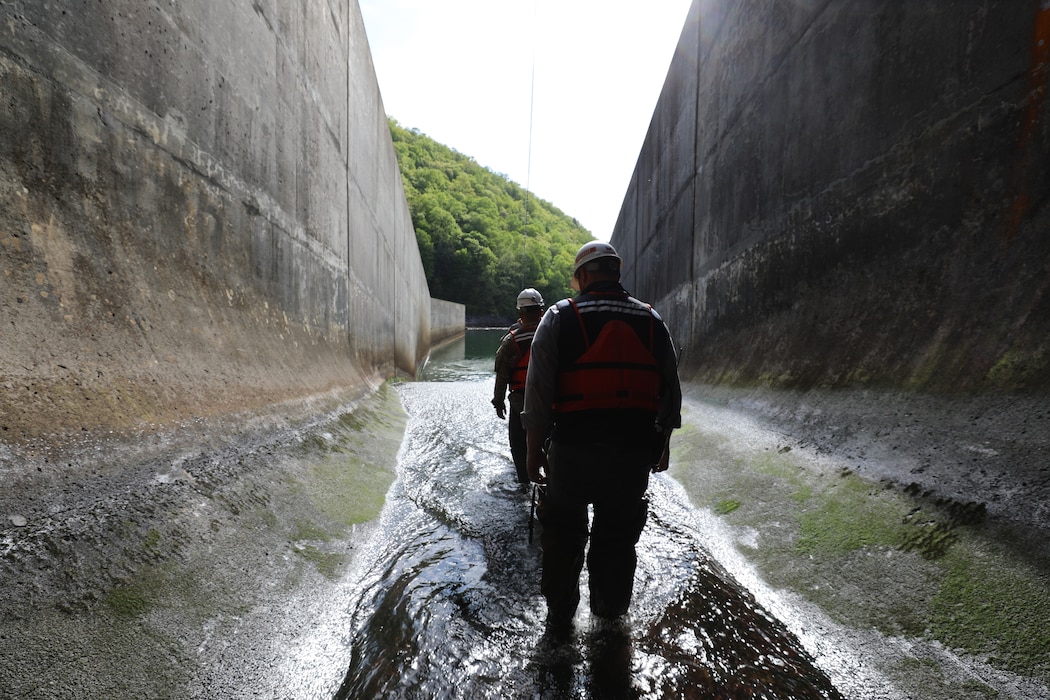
(851, 194)
(200, 212)
(447, 320)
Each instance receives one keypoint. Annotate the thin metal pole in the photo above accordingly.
(528, 165)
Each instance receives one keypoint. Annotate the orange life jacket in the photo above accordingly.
(523, 339)
(606, 358)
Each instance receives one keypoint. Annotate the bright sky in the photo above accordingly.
(473, 75)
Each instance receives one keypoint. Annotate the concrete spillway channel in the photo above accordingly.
(449, 603)
(383, 552)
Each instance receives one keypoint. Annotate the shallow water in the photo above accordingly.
(447, 600)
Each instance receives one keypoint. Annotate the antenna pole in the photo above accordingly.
(528, 166)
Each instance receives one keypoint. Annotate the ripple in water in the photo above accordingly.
(448, 604)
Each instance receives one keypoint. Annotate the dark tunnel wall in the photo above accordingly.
(850, 194)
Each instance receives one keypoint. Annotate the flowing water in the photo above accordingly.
(447, 602)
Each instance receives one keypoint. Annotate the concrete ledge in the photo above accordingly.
(189, 560)
(854, 514)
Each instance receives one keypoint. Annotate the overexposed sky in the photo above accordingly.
(586, 74)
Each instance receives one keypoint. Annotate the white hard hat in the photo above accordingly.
(529, 297)
(593, 251)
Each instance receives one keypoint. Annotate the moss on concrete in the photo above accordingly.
(1018, 368)
(726, 506)
(871, 554)
(307, 530)
(203, 558)
(348, 488)
(127, 601)
(328, 564)
(847, 515)
(350, 468)
(993, 605)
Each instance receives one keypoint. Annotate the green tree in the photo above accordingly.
(478, 243)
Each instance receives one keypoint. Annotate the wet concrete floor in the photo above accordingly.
(778, 562)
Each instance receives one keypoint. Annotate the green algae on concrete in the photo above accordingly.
(127, 601)
(308, 530)
(870, 554)
(994, 605)
(351, 467)
(343, 472)
(847, 515)
(328, 564)
(726, 506)
(222, 556)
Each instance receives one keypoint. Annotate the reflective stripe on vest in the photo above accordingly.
(523, 339)
(617, 368)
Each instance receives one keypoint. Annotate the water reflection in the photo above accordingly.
(448, 603)
(467, 357)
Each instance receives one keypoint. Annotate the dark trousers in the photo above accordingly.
(517, 436)
(613, 478)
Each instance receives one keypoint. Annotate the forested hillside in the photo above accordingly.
(478, 243)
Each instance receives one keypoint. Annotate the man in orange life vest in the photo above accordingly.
(603, 379)
(512, 363)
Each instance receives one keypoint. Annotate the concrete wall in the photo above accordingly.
(851, 194)
(447, 320)
(200, 212)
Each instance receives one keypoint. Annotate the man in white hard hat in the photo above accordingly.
(603, 382)
(512, 363)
